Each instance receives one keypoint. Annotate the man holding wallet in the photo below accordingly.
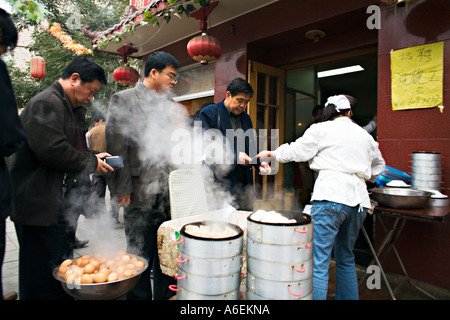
(47, 176)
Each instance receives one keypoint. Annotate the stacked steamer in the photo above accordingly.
(426, 171)
(279, 255)
(209, 264)
(426, 174)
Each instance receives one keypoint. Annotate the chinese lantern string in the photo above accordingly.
(67, 41)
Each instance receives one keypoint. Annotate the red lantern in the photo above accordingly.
(37, 67)
(204, 48)
(126, 75)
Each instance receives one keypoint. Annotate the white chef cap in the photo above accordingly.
(340, 101)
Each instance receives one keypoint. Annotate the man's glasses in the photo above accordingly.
(172, 77)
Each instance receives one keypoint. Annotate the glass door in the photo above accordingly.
(266, 110)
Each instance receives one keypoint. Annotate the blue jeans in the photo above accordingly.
(335, 225)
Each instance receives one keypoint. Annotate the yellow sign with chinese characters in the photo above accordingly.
(417, 77)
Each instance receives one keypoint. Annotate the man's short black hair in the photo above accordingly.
(8, 35)
(98, 117)
(239, 85)
(159, 60)
(88, 70)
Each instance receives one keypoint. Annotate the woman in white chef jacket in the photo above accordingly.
(345, 156)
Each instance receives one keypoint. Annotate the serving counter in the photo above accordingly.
(400, 216)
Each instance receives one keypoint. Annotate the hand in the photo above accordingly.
(265, 169)
(244, 159)
(102, 166)
(124, 201)
(265, 155)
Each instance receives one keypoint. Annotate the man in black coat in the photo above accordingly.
(230, 115)
(47, 175)
(12, 136)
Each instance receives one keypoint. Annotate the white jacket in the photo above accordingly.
(345, 156)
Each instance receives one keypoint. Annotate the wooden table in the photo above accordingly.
(401, 216)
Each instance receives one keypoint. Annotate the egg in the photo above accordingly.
(100, 277)
(81, 262)
(67, 262)
(126, 259)
(129, 273)
(87, 278)
(113, 277)
(89, 268)
(62, 269)
(140, 264)
(120, 270)
(95, 263)
(105, 271)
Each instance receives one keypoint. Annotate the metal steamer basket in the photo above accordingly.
(280, 258)
(209, 268)
(426, 170)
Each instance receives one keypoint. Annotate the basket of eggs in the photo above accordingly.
(100, 277)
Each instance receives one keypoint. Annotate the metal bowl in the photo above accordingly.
(401, 198)
(101, 291)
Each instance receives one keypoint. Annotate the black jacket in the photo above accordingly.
(37, 170)
(12, 137)
(238, 175)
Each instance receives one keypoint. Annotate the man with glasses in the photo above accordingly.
(50, 175)
(141, 186)
(230, 114)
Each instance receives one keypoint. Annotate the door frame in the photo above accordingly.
(253, 69)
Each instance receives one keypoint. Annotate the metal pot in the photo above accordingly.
(401, 198)
(209, 267)
(280, 271)
(439, 202)
(282, 254)
(205, 285)
(101, 291)
(278, 290)
(281, 234)
(210, 248)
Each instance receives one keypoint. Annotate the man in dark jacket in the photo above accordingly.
(230, 114)
(138, 127)
(47, 176)
(12, 136)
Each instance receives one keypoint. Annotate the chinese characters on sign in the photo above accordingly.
(194, 80)
(417, 77)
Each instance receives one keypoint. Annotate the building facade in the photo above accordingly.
(280, 46)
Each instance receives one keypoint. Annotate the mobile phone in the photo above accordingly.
(116, 162)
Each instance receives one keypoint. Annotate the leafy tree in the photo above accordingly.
(98, 16)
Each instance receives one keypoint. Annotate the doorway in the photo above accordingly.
(267, 111)
(304, 90)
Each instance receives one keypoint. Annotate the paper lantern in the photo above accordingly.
(204, 48)
(37, 67)
(126, 75)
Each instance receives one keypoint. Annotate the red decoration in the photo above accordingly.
(204, 48)
(126, 75)
(37, 67)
